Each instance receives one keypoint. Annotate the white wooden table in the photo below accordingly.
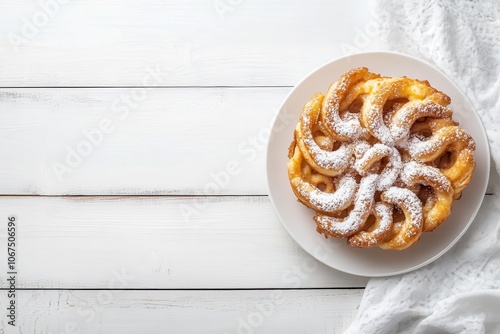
(132, 143)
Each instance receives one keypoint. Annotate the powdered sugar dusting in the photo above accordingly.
(406, 116)
(339, 227)
(426, 150)
(377, 126)
(383, 214)
(414, 172)
(330, 202)
(376, 157)
(408, 199)
(337, 159)
(412, 207)
(390, 172)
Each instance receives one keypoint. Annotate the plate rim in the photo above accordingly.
(483, 133)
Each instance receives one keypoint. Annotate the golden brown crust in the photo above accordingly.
(380, 160)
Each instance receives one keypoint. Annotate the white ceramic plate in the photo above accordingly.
(297, 219)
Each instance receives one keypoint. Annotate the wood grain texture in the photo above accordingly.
(172, 142)
(190, 312)
(225, 242)
(175, 141)
(199, 43)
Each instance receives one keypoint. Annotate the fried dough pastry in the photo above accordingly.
(379, 159)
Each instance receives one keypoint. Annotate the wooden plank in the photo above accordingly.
(222, 242)
(174, 142)
(292, 311)
(207, 43)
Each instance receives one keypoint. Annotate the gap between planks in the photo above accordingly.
(134, 87)
(187, 289)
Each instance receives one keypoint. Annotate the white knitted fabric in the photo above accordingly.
(460, 292)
